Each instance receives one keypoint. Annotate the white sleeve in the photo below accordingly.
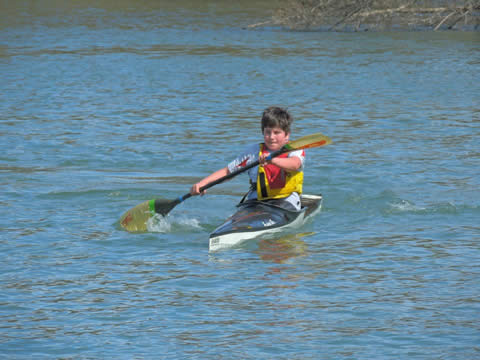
(300, 154)
(249, 155)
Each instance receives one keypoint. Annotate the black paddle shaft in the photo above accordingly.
(138, 215)
(235, 173)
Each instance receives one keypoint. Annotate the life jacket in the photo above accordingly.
(276, 183)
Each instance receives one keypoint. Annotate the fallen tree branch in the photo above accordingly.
(464, 15)
(404, 9)
(345, 18)
(444, 19)
(253, 26)
(341, 15)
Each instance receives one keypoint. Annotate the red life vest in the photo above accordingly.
(276, 183)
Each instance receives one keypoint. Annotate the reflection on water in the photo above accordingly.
(281, 249)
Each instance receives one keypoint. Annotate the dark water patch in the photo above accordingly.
(79, 194)
(15, 233)
(26, 170)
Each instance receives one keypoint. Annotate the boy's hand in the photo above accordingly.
(195, 190)
(262, 159)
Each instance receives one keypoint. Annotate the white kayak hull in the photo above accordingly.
(257, 219)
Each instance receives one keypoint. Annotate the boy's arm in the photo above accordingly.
(288, 164)
(294, 162)
(195, 190)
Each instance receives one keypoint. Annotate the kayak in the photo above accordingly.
(259, 218)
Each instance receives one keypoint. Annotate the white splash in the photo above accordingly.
(161, 224)
(158, 223)
(407, 206)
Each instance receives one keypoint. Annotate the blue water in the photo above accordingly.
(103, 106)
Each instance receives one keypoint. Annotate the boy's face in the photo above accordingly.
(275, 138)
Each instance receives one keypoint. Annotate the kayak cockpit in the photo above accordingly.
(255, 215)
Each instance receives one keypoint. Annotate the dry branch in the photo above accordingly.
(444, 19)
(376, 14)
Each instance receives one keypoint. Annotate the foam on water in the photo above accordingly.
(406, 206)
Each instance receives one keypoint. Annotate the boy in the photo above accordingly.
(279, 179)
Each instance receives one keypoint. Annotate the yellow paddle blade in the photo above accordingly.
(135, 219)
(309, 141)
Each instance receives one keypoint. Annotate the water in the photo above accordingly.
(106, 104)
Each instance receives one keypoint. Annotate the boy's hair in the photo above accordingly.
(274, 116)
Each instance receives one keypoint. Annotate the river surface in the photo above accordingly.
(106, 104)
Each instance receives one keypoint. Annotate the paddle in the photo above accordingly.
(135, 219)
